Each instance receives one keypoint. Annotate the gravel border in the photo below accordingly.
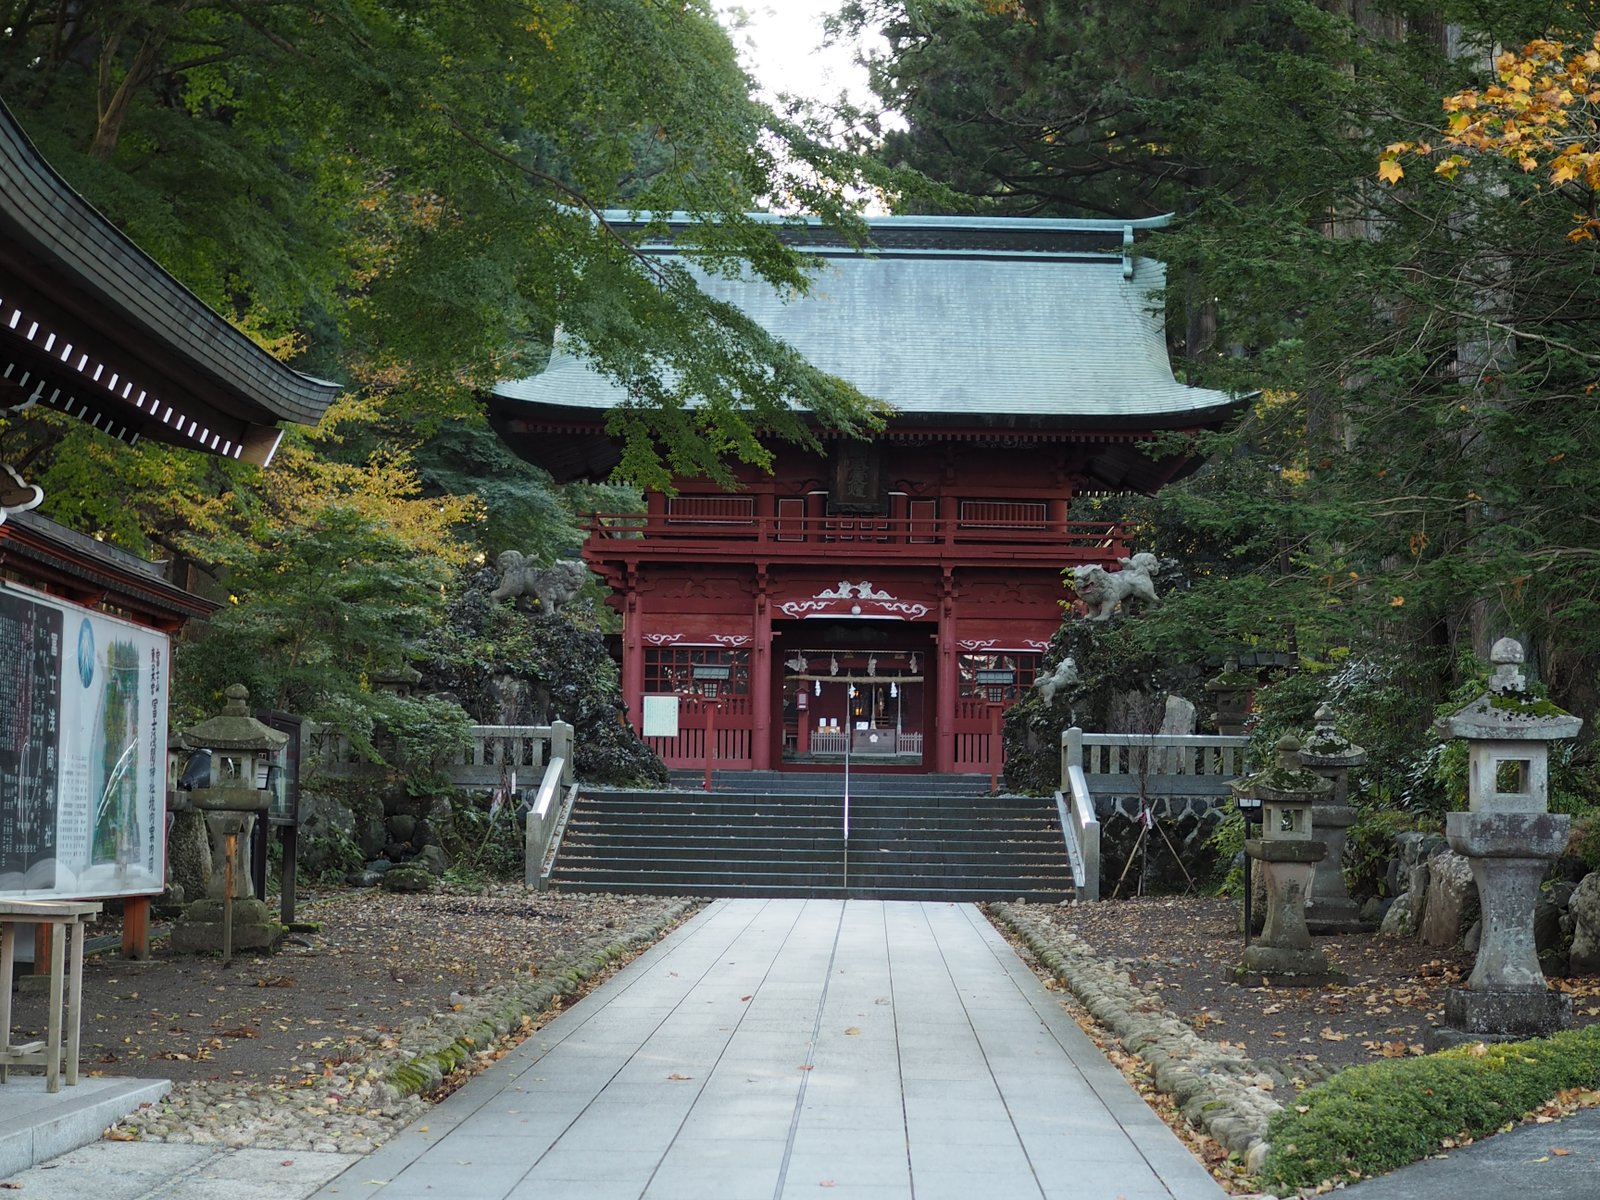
(1218, 1088)
(375, 1087)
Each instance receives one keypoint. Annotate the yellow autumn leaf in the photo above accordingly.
(1390, 171)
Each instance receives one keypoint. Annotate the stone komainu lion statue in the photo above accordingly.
(553, 587)
(1104, 590)
(1063, 678)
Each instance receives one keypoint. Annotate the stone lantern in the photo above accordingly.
(1230, 691)
(1508, 835)
(1331, 755)
(231, 799)
(1288, 855)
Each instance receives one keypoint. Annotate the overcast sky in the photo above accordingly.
(782, 48)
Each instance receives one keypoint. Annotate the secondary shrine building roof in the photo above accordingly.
(91, 325)
(1021, 323)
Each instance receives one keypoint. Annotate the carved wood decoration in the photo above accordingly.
(857, 470)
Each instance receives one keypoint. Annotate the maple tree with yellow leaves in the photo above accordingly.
(1542, 114)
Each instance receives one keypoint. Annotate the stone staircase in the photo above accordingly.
(912, 837)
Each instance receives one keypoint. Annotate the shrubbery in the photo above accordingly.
(1376, 1117)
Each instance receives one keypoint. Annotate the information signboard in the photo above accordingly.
(83, 751)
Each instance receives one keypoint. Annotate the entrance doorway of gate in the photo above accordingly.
(867, 701)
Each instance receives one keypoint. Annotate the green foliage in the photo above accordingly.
(507, 666)
(318, 607)
(421, 735)
(1227, 844)
(408, 195)
(1585, 840)
(1369, 846)
(1347, 1128)
(336, 851)
(482, 847)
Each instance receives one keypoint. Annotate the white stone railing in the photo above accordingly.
(1219, 757)
(1151, 764)
(1079, 823)
(492, 755)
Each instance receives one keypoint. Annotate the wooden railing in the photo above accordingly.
(1085, 540)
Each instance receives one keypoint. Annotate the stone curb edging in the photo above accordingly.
(499, 1012)
(1218, 1089)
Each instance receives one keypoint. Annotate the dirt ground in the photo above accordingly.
(374, 962)
(1185, 949)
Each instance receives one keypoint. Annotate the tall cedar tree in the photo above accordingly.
(1418, 468)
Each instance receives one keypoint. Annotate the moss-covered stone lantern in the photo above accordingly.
(1332, 756)
(231, 797)
(1508, 835)
(1231, 690)
(1288, 854)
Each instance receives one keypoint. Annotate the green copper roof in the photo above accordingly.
(949, 317)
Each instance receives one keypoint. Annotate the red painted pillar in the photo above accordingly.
(633, 657)
(944, 760)
(761, 682)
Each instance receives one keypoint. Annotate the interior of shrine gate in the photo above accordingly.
(887, 597)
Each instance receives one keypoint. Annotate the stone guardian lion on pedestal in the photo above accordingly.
(1103, 591)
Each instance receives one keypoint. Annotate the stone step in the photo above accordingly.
(924, 846)
(1042, 893)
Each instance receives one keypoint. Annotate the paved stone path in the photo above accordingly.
(786, 1048)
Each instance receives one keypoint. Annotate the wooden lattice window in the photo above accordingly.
(1004, 514)
(670, 669)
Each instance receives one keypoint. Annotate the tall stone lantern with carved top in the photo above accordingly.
(232, 798)
(1331, 755)
(1509, 835)
(1288, 854)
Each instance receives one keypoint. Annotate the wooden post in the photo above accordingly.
(711, 737)
(136, 928)
(996, 746)
(290, 838)
(43, 934)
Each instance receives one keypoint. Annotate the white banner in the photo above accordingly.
(83, 751)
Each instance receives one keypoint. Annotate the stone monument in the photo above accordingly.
(1288, 856)
(1331, 755)
(1509, 835)
(231, 799)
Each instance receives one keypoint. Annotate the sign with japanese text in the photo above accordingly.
(83, 751)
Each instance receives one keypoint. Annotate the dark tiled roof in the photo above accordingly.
(114, 338)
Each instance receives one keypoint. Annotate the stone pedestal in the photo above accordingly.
(203, 927)
(220, 826)
(1506, 998)
(1285, 947)
(1332, 756)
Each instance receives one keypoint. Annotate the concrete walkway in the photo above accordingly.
(770, 1049)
